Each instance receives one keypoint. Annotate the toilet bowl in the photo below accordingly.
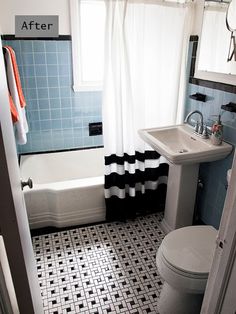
(184, 260)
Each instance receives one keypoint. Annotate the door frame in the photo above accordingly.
(225, 253)
(14, 226)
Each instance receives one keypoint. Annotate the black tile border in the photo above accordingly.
(205, 83)
(214, 85)
(50, 229)
(60, 150)
(193, 38)
(12, 37)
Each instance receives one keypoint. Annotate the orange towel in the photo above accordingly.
(14, 113)
(17, 76)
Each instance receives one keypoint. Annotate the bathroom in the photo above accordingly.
(66, 122)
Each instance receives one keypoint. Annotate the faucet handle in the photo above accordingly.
(200, 128)
(196, 127)
(205, 132)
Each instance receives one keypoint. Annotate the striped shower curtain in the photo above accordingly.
(145, 45)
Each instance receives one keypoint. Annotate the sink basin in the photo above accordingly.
(185, 151)
(180, 145)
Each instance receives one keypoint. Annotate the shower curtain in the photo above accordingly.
(145, 60)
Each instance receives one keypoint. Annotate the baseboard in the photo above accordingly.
(60, 220)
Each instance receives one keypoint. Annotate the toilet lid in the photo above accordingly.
(190, 249)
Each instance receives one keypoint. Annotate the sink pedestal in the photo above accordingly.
(180, 197)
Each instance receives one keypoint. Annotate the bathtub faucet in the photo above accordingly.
(199, 129)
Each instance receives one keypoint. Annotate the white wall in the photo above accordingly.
(10, 8)
(198, 14)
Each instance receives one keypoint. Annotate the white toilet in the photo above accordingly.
(184, 259)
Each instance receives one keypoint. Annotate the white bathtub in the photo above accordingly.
(68, 188)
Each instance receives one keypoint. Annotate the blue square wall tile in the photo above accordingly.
(88, 141)
(56, 124)
(98, 140)
(44, 104)
(54, 92)
(34, 115)
(19, 59)
(53, 81)
(78, 112)
(62, 46)
(41, 82)
(32, 105)
(66, 123)
(34, 125)
(57, 134)
(37, 146)
(45, 114)
(62, 58)
(78, 122)
(58, 144)
(28, 70)
(52, 70)
(43, 93)
(51, 58)
(39, 58)
(56, 114)
(41, 70)
(97, 98)
(51, 46)
(68, 142)
(27, 58)
(46, 124)
(78, 132)
(31, 93)
(66, 113)
(64, 70)
(55, 103)
(27, 148)
(228, 97)
(78, 141)
(65, 92)
(21, 69)
(97, 111)
(39, 46)
(30, 82)
(65, 81)
(47, 144)
(66, 102)
(26, 46)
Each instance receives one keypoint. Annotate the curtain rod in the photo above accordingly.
(216, 5)
(177, 2)
(168, 3)
(173, 3)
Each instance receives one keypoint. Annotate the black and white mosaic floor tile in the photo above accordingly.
(104, 269)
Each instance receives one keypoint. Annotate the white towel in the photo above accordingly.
(21, 126)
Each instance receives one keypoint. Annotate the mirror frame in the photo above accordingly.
(211, 76)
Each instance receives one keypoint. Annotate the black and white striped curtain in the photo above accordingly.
(143, 53)
(134, 184)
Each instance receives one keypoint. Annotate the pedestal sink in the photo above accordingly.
(185, 151)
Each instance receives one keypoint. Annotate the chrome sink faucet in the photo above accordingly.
(199, 129)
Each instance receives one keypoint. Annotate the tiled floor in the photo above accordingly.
(106, 268)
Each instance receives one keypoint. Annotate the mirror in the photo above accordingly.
(231, 26)
(217, 51)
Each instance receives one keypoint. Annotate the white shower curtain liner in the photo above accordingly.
(144, 81)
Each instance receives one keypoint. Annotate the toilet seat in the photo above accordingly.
(190, 249)
(185, 256)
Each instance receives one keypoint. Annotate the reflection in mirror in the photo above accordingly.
(231, 25)
(215, 39)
